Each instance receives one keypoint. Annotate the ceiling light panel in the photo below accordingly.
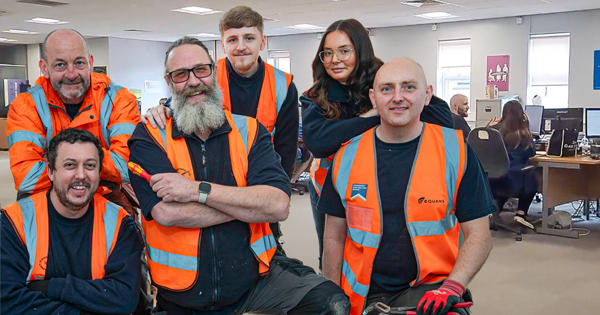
(4, 40)
(21, 32)
(40, 20)
(305, 27)
(209, 35)
(436, 15)
(196, 10)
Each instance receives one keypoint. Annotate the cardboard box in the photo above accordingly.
(3, 136)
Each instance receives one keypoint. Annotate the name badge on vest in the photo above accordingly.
(360, 191)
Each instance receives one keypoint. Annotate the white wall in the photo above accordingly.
(98, 48)
(133, 62)
(488, 37)
(33, 61)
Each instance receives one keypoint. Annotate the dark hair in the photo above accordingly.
(43, 46)
(186, 41)
(241, 16)
(514, 126)
(360, 80)
(71, 135)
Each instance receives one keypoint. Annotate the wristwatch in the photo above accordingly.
(204, 190)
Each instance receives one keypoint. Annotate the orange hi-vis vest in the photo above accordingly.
(429, 207)
(30, 219)
(272, 94)
(318, 172)
(173, 252)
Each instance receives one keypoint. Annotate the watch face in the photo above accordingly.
(204, 187)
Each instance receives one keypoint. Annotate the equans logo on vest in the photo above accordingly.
(425, 200)
(360, 191)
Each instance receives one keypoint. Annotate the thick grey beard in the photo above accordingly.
(193, 116)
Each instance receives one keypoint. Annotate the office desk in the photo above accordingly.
(566, 179)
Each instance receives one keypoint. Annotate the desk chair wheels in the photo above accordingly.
(496, 223)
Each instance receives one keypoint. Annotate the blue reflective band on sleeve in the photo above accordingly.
(28, 136)
(106, 110)
(120, 129)
(241, 123)
(32, 177)
(364, 238)
(263, 244)
(30, 230)
(172, 260)
(111, 215)
(357, 287)
(121, 166)
(41, 105)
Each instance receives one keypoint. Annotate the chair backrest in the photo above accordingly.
(489, 147)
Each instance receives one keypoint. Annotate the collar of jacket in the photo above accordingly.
(337, 93)
(98, 82)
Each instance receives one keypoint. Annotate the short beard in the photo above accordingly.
(194, 116)
(57, 86)
(62, 196)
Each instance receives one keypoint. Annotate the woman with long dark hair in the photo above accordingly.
(514, 128)
(337, 107)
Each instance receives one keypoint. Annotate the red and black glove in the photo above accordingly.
(441, 300)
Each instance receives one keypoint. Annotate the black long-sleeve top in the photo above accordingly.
(245, 94)
(323, 136)
(70, 288)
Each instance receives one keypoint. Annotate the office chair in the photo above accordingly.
(487, 143)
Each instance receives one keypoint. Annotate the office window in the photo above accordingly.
(548, 75)
(454, 68)
(280, 59)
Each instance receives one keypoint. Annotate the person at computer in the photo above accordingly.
(514, 128)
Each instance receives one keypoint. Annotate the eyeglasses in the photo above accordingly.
(342, 53)
(182, 75)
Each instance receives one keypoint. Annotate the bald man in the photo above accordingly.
(459, 106)
(69, 95)
(394, 223)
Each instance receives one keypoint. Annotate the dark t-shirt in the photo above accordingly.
(73, 109)
(461, 124)
(395, 266)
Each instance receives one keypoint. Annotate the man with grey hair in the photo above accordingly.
(69, 95)
(216, 183)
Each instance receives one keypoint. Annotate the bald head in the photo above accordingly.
(399, 93)
(459, 105)
(57, 37)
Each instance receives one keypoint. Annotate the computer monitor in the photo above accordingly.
(562, 118)
(592, 122)
(534, 114)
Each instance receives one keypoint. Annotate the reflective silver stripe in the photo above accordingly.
(41, 105)
(364, 238)
(163, 134)
(429, 228)
(280, 91)
(263, 244)
(357, 287)
(111, 215)
(316, 185)
(106, 109)
(28, 136)
(32, 177)
(346, 160)
(172, 260)
(452, 159)
(30, 231)
(241, 124)
(121, 166)
(120, 129)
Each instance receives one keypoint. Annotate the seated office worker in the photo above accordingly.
(68, 250)
(514, 128)
(216, 183)
(376, 249)
(69, 95)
